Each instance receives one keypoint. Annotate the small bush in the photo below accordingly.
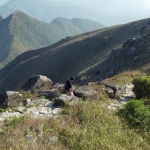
(142, 87)
(2, 110)
(16, 121)
(136, 114)
(43, 97)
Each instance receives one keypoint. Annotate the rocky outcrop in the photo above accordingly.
(10, 99)
(56, 91)
(110, 89)
(125, 94)
(85, 92)
(37, 82)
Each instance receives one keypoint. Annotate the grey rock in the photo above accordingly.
(132, 51)
(141, 43)
(41, 128)
(37, 82)
(62, 100)
(20, 109)
(85, 92)
(1, 131)
(10, 99)
(52, 140)
(53, 93)
(31, 139)
(25, 102)
(10, 115)
(109, 88)
(1, 120)
(137, 58)
(59, 87)
(37, 102)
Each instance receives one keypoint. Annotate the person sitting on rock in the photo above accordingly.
(68, 86)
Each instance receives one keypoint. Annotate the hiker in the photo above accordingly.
(68, 86)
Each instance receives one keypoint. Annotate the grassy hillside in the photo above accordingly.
(80, 56)
(22, 33)
(86, 126)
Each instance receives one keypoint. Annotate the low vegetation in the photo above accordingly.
(86, 126)
(142, 87)
(137, 112)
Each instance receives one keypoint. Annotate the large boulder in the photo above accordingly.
(37, 82)
(10, 99)
(85, 92)
(64, 99)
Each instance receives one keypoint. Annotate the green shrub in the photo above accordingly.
(2, 110)
(43, 97)
(16, 121)
(136, 114)
(142, 87)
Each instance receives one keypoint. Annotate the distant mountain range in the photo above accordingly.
(20, 33)
(89, 57)
(48, 10)
(106, 12)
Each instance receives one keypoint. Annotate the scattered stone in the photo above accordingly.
(1, 120)
(132, 51)
(137, 58)
(25, 102)
(141, 43)
(31, 139)
(49, 104)
(1, 131)
(52, 141)
(37, 102)
(10, 99)
(20, 109)
(113, 106)
(41, 128)
(37, 82)
(7, 115)
(1, 124)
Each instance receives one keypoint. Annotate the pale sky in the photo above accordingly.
(3, 2)
(146, 3)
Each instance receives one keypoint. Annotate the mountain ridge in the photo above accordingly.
(27, 33)
(83, 56)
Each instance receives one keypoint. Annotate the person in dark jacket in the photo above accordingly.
(68, 86)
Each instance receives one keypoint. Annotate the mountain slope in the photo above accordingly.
(21, 32)
(90, 56)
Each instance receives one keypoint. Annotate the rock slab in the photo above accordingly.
(85, 92)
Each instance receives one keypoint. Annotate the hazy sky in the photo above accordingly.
(144, 3)
(3, 2)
